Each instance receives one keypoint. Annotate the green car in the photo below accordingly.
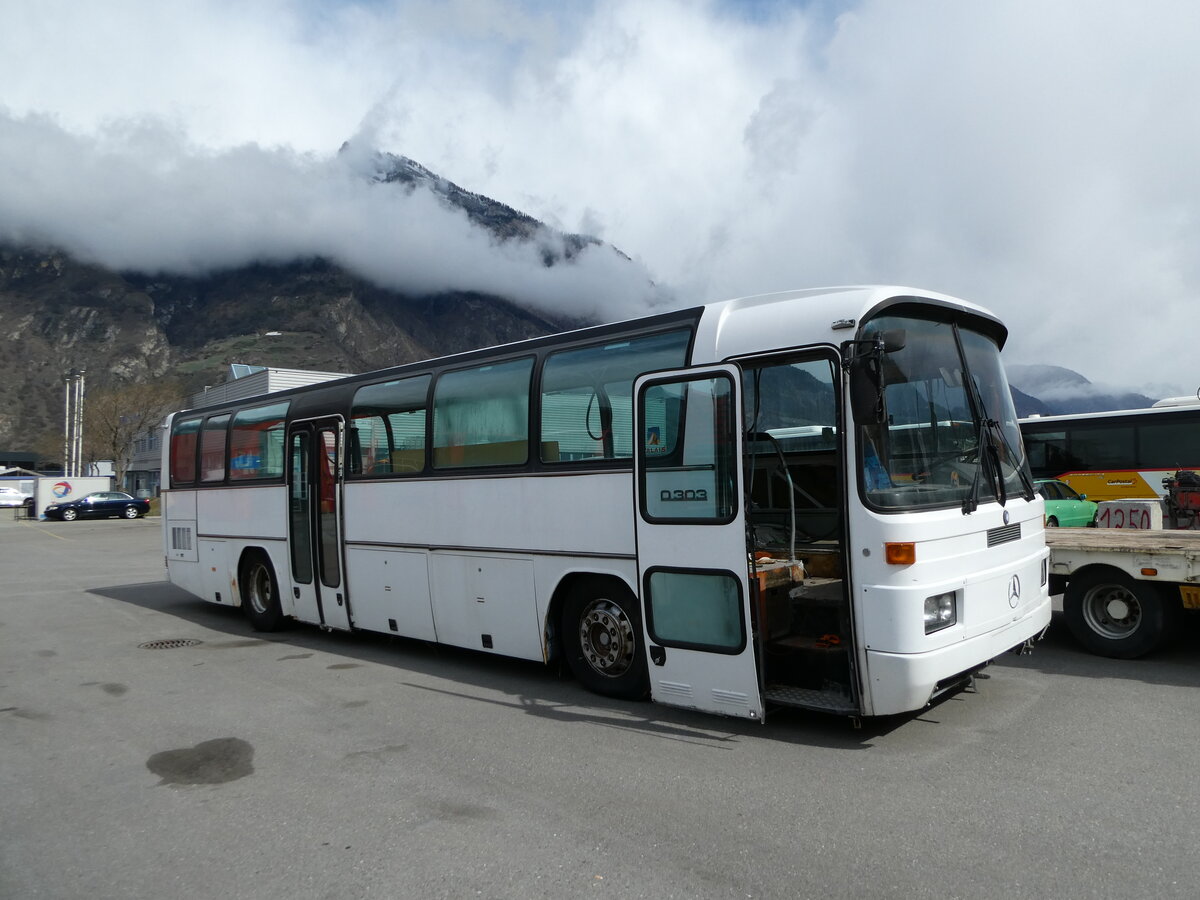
(1064, 506)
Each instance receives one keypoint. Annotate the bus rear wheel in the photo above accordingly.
(260, 593)
(1114, 615)
(602, 637)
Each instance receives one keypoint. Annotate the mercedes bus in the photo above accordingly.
(814, 499)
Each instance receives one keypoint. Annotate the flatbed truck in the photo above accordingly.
(1124, 590)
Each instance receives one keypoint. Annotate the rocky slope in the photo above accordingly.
(59, 313)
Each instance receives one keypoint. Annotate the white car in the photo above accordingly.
(11, 496)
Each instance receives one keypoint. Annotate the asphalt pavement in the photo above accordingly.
(153, 746)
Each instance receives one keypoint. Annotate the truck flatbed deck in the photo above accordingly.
(1122, 540)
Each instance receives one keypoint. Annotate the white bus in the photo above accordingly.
(813, 499)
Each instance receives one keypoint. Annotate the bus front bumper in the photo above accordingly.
(905, 682)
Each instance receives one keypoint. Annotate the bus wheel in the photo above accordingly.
(602, 637)
(1052, 522)
(1114, 615)
(260, 593)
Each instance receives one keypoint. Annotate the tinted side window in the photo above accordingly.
(1169, 445)
(387, 428)
(587, 406)
(1108, 447)
(1047, 451)
(256, 443)
(212, 448)
(481, 416)
(184, 434)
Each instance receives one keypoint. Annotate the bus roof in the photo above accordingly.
(776, 321)
(726, 329)
(1069, 418)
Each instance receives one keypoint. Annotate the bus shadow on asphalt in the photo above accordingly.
(1177, 662)
(548, 692)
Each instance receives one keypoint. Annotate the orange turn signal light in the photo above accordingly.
(1149, 572)
(900, 554)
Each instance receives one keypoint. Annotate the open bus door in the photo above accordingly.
(691, 542)
(314, 521)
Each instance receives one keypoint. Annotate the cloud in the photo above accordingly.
(1038, 159)
(138, 196)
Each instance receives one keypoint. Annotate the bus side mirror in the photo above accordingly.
(866, 391)
(893, 339)
(865, 365)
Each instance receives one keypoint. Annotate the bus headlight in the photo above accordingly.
(941, 611)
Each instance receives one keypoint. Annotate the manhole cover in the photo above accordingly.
(169, 644)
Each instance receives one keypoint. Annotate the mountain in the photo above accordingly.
(62, 313)
(1054, 390)
(504, 222)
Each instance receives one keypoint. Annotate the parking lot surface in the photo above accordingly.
(152, 745)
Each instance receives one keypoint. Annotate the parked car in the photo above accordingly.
(99, 505)
(1064, 506)
(11, 496)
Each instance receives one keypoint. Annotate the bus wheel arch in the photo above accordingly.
(1115, 615)
(259, 589)
(599, 634)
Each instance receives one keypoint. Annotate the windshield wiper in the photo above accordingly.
(1026, 481)
(983, 447)
(989, 453)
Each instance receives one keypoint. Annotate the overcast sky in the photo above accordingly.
(1039, 158)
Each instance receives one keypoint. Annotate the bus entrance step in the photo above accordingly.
(834, 700)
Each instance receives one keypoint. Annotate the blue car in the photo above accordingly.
(98, 505)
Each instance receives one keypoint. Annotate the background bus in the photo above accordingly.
(1120, 455)
(814, 499)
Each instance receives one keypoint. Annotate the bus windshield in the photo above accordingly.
(949, 432)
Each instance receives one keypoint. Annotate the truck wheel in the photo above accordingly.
(1114, 615)
(602, 637)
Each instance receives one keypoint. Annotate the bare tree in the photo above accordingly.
(115, 417)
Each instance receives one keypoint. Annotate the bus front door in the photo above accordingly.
(314, 522)
(691, 542)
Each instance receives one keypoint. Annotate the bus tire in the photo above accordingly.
(602, 639)
(260, 593)
(1114, 615)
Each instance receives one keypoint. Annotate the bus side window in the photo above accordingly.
(587, 395)
(184, 443)
(481, 416)
(212, 448)
(388, 425)
(256, 442)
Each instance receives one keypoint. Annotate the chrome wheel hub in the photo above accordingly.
(606, 638)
